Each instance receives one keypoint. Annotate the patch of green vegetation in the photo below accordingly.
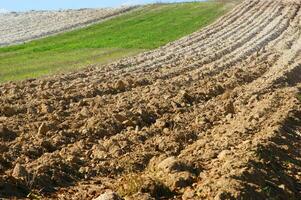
(43, 63)
(145, 28)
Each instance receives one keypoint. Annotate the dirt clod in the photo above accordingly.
(19, 172)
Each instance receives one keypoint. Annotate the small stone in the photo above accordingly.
(166, 130)
(108, 196)
(229, 117)
(19, 172)
(85, 112)
(282, 186)
(188, 194)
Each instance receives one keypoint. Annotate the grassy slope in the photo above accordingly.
(146, 28)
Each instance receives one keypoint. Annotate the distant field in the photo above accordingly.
(20, 27)
(146, 28)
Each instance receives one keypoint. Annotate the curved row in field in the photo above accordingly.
(213, 115)
(21, 27)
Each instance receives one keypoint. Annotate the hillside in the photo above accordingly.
(145, 28)
(213, 115)
(20, 27)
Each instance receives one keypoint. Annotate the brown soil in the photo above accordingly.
(214, 115)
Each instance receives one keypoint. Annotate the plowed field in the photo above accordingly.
(214, 115)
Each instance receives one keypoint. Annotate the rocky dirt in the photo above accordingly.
(214, 115)
(25, 26)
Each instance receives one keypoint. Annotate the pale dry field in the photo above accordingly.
(25, 26)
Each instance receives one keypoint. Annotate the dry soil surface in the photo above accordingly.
(25, 26)
(214, 115)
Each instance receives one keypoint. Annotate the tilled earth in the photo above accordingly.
(25, 26)
(214, 115)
